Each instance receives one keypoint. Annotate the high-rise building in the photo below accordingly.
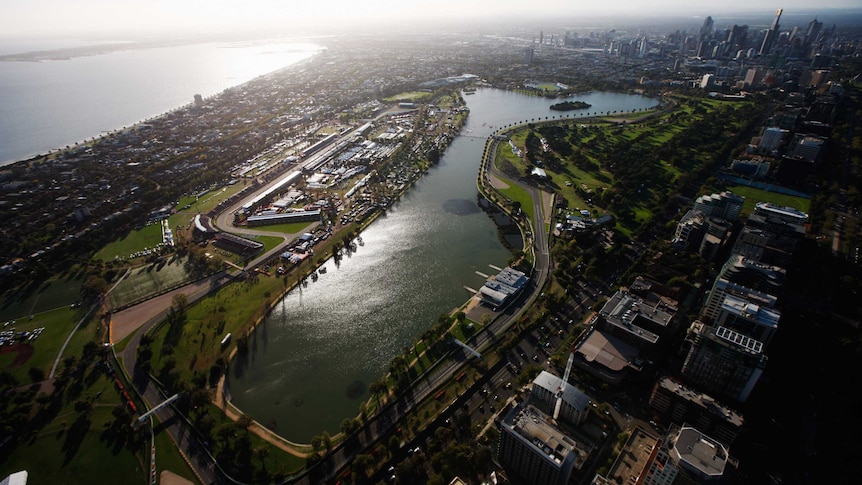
(758, 282)
(722, 362)
(771, 35)
(706, 28)
(748, 318)
(678, 404)
(813, 31)
(634, 320)
(754, 76)
(528, 55)
(535, 450)
(697, 455)
(684, 456)
(771, 234)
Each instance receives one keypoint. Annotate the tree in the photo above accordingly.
(316, 443)
(36, 374)
(244, 421)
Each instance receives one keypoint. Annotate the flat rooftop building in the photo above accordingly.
(535, 450)
(701, 456)
(631, 318)
(605, 356)
(504, 287)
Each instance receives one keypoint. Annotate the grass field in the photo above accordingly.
(626, 168)
(291, 228)
(148, 236)
(151, 235)
(58, 323)
(73, 450)
(408, 96)
(61, 291)
(231, 309)
(753, 196)
(148, 280)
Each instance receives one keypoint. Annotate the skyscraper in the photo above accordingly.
(706, 29)
(771, 35)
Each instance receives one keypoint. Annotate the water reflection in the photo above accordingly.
(311, 361)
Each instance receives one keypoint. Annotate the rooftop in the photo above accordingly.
(742, 307)
(534, 426)
(624, 311)
(748, 343)
(634, 457)
(699, 452)
(607, 350)
(701, 399)
(571, 395)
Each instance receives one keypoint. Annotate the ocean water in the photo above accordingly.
(49, 104)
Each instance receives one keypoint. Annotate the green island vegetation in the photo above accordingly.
(570, 105)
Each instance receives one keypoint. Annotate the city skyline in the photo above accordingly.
(46, 18)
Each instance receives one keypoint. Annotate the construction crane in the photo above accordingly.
(563, 384)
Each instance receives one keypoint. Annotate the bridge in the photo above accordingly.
(467, 348)
(160, 406)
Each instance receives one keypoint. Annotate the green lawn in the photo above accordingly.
(46, 457)
(74, 449)
(517, 194)
(408, 96)
(148, 280)
(147, 237)
(58, 323)
(60, 291)
(151, 235)
(231, 309)
(753, 196)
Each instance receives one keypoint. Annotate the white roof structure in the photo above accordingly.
(17, 478)
(571, 394)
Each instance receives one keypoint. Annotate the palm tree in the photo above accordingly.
(261, 453)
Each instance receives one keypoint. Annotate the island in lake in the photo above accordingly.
(570, 105)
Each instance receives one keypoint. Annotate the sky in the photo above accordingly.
(36, 18)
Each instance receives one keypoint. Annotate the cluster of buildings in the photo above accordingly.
(790, 147)
(725, 348)
(723, 356)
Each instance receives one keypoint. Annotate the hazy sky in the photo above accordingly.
(61, 17)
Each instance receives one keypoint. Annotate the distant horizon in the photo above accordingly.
(99, 20)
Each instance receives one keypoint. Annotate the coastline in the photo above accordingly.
(46, 152)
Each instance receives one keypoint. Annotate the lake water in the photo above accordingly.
(312, 360)
(50, 104)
